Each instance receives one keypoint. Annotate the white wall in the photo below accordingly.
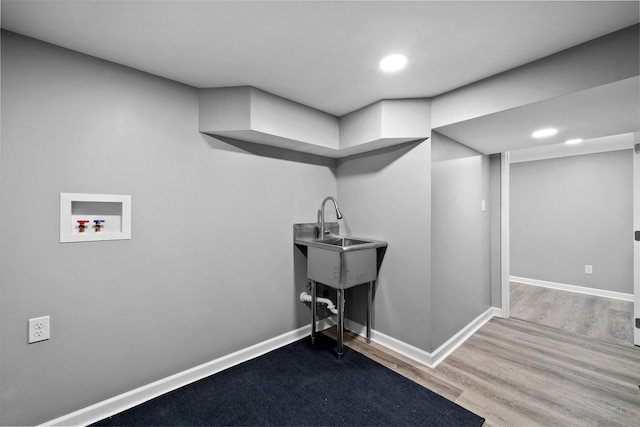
(209, 268)
(570, 212)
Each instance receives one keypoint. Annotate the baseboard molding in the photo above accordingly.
(442, 352)
(573, 288)
(421, 356)
(147, 392)
(394, 344)
(124, 401)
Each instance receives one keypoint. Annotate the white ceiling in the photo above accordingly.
(623, 141)
(605, 110)
(323, 54)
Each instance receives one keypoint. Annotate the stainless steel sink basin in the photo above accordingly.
(341, 269)
(338, 261)
(345, 241)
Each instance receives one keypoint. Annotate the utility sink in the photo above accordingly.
(345, 242)
(340, 262)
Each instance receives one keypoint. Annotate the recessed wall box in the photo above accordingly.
(111, 211)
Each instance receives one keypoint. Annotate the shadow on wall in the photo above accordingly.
(377, 160)
(238, 146)
(303, 310)
(452, 150)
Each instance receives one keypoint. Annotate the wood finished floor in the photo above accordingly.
(601, 318)
(516, 373)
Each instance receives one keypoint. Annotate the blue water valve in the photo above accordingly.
(98, 224)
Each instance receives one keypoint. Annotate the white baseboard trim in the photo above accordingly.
(394, 344)
(147, 392)
(573, 288)
(442, 352)
(124, 401)
(421, 356)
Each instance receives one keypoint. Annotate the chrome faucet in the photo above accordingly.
(338, 214)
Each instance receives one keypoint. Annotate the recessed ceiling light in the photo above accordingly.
(543, 133)
(573, 141)
(393, 62)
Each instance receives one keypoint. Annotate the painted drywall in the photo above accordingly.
(565, 72)
(361, 126)
(210, 266)
(275, 115)
(495, 213)
(570, 212)
(225, 109)
(251, 114)
(460, 237)
(588, 146)
(385, 123)
(636, 244)
(405, 118)
(385, 195)
(207, 215)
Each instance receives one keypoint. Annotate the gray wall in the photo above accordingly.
(495, 175)
(461, 237)
(424, 199)
(209, 268)
(385, 195)
(571, 211)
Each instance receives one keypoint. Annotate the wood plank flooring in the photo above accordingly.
(516, 373)
(601, 318)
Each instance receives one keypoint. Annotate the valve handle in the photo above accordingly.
(83, 221)
(98, 221)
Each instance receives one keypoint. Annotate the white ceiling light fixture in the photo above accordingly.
(573, 141)
(395, 62)
(544, 133)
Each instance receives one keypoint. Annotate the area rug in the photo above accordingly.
(300, 385)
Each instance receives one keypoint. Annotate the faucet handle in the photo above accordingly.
(81, 225)
(98, 224)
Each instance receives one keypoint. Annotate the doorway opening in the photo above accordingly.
(549, 289)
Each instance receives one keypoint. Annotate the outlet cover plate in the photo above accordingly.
(39, 329)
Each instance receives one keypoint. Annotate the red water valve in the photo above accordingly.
(81, 225)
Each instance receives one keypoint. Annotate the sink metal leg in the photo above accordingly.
(369, 309)
(340, 298)
(313, 311)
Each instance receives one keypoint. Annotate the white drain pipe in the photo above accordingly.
(305, 297)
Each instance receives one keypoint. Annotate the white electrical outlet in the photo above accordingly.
(39, 329)
(588, 269)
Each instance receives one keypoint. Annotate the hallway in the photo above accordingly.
(605, 319)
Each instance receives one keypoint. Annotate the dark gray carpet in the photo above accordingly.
(300, 385)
